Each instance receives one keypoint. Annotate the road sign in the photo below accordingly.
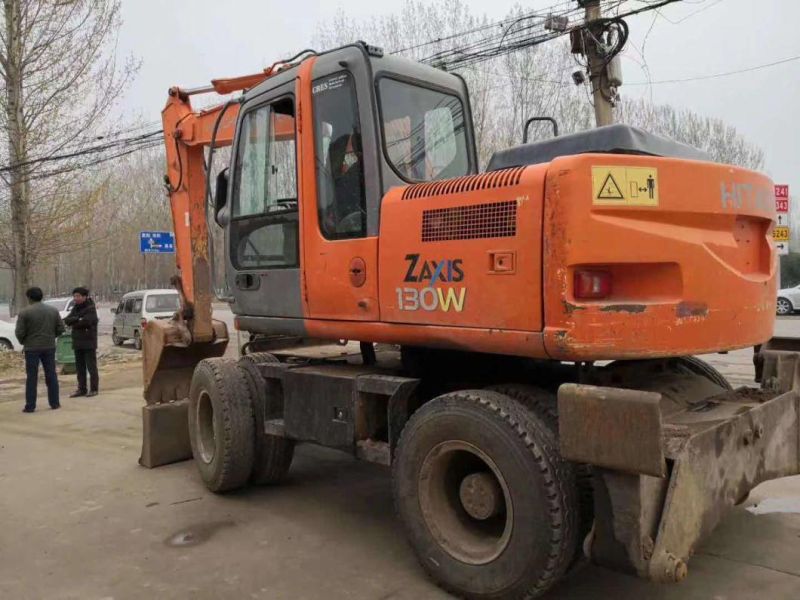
(780, 233)
(782, 248)
(156, 242)
(782, 198)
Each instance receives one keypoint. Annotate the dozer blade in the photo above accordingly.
(169, 359)
(671, 459)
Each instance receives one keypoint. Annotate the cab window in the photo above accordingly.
(339, 158)
(423, 131)
(129, 305)
(263, 230)
(137, 306)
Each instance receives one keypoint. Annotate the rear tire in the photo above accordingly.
(483, 440)
(272, 454)
(137, 340)
(544, 404)
(701, 367)
(258, 358)
(221, 424)
(5, 345)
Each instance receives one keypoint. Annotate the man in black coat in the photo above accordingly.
(83, 321)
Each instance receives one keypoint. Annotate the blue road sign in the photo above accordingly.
(156, 242)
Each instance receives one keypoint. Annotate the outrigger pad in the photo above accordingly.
(165, 434)
(613, 428)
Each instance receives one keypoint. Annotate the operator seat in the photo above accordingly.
(348, 183)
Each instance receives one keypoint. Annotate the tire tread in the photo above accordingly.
(236, 447)
(558, 475)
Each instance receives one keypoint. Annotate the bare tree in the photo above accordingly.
(58, 65)
(536, 81)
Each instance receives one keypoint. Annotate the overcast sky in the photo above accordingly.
(189, 42)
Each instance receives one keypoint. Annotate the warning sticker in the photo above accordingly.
(625, 186)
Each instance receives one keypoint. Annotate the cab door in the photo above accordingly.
(263, 246)
(340, 176)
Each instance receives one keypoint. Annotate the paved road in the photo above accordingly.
(81, 520)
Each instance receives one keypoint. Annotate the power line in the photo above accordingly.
(690, 15)
(120, 143)
(717, 75)
(526, 36)
(514, 33)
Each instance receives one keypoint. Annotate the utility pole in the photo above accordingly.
(591, 45)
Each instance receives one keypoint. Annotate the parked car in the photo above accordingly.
(64, 305)
(788, 300)
(136, 308)
(8, 339)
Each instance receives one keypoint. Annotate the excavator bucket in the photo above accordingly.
(169, 359)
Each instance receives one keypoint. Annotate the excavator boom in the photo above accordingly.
(172, 348)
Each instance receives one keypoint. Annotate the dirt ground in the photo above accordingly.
(81, 520)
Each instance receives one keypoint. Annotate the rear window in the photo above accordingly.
(423, 130)
(162, 303)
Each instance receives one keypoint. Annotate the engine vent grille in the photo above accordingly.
(492, 220)
(468, 183)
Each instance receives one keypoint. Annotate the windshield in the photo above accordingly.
(423, 130)
(162, 303)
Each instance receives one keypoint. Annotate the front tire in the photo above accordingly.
(489, 506)
(784, 307)
(115, 339)
(5, 345)
(221, 424)
(273, 454)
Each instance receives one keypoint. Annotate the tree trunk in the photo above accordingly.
(18, 153)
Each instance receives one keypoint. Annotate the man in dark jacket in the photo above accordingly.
(37, 328)
(83, 321)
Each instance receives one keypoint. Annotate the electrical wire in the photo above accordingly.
(512, 34)
(83, 152)
(717, 75)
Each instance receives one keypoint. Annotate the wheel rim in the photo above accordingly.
(784, 308)
(205, 427)
(465, 502)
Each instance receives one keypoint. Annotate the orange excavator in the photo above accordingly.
(526, 334)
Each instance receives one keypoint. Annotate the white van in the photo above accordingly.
(136, 308)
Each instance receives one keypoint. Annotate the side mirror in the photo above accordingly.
(220, 194)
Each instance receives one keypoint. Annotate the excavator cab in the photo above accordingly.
(316, 141)
(303, 211)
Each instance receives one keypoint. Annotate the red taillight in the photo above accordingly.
(144, 323)
(592, 285)
(236, 324)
